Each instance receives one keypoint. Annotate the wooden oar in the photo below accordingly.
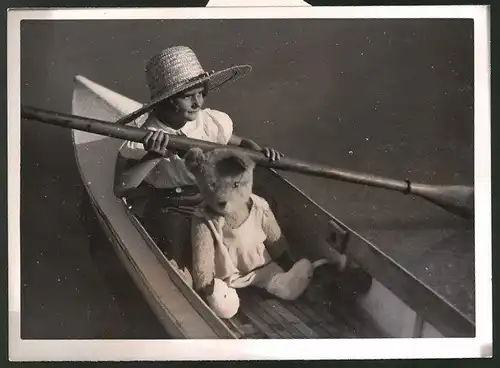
(456, 199)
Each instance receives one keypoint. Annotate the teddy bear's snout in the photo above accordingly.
(222, 204)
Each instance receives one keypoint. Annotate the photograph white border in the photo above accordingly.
(308, 349)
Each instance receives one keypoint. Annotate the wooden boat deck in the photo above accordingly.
(321, 312)
(263, 316)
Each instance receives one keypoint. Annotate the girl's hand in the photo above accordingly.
(156, 142)
(272, 154)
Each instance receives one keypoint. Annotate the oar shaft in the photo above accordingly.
(183, 144)
(82, 123)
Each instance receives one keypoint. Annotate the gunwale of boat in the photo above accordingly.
(369, 256)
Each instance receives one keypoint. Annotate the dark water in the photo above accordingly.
(386, 97)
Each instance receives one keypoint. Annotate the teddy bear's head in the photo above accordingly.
(225, 178)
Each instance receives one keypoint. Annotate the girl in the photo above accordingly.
(160, 190)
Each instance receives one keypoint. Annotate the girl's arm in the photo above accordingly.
(243, 142)
(272, 154)
(129, 176)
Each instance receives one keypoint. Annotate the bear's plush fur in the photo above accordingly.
(236, 239)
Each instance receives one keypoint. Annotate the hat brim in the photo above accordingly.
(215, 81)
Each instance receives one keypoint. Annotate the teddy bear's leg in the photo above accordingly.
(224, 300)
(285, 285)
(290, 285)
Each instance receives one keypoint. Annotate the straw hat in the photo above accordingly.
(177, 68)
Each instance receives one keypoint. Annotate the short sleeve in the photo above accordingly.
(267, 219)
(133, 150)
(223, 124)
(261, 205)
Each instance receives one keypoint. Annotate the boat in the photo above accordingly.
(396, 305)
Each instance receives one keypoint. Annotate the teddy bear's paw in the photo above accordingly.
(224, 301)
(302, 268)
(292, 284)
(186, 276)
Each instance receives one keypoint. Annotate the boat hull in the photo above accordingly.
(397, 304)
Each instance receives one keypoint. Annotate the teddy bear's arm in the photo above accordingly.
(276, 242)
(203, 256)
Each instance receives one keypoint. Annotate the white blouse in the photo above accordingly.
(210, 125)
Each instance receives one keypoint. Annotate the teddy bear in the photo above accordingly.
(236, 239)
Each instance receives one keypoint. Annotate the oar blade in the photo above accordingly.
(457, 199)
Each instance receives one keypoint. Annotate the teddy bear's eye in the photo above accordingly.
(236, 184)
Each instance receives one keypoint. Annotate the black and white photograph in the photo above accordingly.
(302, 183)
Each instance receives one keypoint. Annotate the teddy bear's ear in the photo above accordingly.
(246, 162)
(234, 164)
(194, 158)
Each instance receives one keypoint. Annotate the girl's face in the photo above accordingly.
(183, 107)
